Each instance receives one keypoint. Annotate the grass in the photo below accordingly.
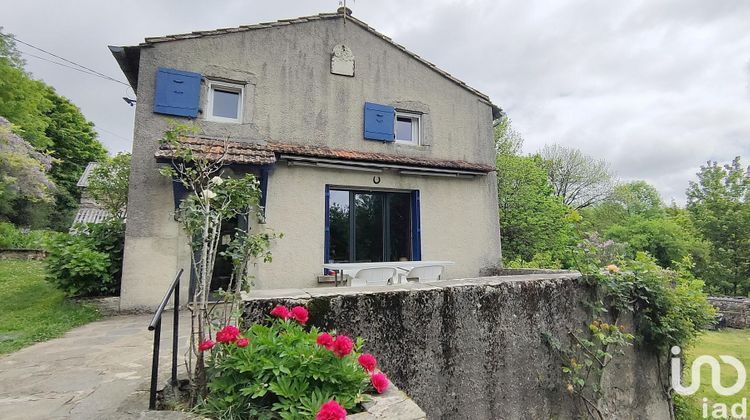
(31, 309)
(729, 342)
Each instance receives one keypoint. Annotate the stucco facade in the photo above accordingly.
(291, 96)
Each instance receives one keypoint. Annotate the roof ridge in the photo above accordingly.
(302, 19)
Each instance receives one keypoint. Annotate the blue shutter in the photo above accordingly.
(177, 92)
(416, 227)
(379, 120)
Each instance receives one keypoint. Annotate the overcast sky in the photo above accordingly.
(655, 87)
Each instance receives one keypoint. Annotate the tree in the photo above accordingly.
(51, 123)
(661, 237)
(74, 145)
(580, 180)
(23, 173)
(9, 52)
(508, 141)
(634, 214)
(213, 200)
(533, 221)
(23, 101)
(719, 203)
(638, 198)
(108, 184)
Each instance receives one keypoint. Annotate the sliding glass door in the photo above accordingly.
(369, 226)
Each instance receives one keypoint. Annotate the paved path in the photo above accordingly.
(97, 371)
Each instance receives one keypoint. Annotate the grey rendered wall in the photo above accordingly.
(458, 220)
(473, 348)
(292, 97)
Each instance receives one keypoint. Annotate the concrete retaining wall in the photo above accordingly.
(473, 348)
(736, 311)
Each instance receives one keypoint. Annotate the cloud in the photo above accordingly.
(655, 87)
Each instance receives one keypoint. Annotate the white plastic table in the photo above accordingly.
(353, 268)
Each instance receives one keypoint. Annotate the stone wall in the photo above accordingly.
(736, 311)
(22, 254)
(473, 348)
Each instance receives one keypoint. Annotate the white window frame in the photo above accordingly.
(229, 87)
(416, 129)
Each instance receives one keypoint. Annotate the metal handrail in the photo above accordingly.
(155, 326)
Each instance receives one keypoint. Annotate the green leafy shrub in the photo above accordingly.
(109, 237)
(89, 262)
(281, 370)
(540, 260)
(11, 237)
(670, 306)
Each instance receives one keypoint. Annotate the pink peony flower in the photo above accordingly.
(228, 334)
(325, 340)
(243, 342)
(342, 346)
(300, 314)
(379, 382)
(280, 311)
(367, 361)
(331, 411)
(205, 345)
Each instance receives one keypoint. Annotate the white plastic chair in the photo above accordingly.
(425, 273)
(373, 277)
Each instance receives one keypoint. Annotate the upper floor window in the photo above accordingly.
(407, 127)
(224, 102)
(386, 123)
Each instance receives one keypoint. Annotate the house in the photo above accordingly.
(365, 151)
(89, 211)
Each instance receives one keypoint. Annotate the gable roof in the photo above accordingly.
(236, 152)
(127, 57)
(83, 181)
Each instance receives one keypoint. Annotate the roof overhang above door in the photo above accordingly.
(375, 167)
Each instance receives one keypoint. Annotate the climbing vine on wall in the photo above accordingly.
(668, 308)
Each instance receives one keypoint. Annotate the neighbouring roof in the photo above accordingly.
(235, 152)
(90, 215)
(83, 181)
(128, 57)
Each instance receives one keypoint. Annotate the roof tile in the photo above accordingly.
(236, 152)
(232, 152)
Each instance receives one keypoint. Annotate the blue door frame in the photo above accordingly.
(416, 223)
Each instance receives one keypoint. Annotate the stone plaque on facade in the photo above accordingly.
(342, 61)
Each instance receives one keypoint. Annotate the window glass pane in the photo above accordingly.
(338, 216)
(382, 226)
(368, 233)
(404, 128)
(226, 104)
(399, 246)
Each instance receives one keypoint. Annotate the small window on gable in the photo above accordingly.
(224, 102)
(407, 127)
